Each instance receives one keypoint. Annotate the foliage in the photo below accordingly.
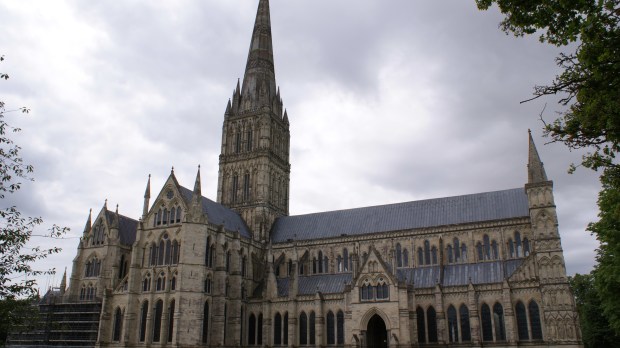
(594, 325)
(17, 275)
(590, 82)
(589, 86)
(18, 312)
(607, 230)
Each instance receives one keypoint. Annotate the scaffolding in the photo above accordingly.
(59, 322)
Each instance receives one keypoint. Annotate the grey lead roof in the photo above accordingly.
(421, 277)
(219, 214)
(127, 227)
(477, 207)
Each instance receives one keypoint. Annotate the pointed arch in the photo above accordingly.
(487, 325)
(431, 319)
(330, 328)
(159, 309)
(453, 326)
(118, 325)
(521, 321)
(277, 330)
(535, 321)
(465, 327)
(498, 319)
(144, 312)
(421, 325)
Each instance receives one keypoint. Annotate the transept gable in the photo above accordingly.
(373, 268)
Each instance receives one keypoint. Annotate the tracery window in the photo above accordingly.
(382, 290)
(93, 268)
(98, 234)
(146, 283)
(161, 282)
(166, 253)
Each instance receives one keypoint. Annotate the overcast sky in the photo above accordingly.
(389, 101)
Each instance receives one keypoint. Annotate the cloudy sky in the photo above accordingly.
(389, 101)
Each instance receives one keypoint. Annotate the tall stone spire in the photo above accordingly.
(535, 170)
(259, 81)
(254, 170)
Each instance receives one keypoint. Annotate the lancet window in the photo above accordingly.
(167, 252)
(144, 311)
(118, 325)
(167, 217)
(402, 256)
(92, 268)
(493, 325)
(98, 234)
(146, 283)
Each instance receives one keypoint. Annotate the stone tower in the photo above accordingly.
(254, 171)
(558, 302)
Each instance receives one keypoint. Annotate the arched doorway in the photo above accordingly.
(376, 333)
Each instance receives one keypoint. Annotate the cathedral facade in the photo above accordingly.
(485, 269)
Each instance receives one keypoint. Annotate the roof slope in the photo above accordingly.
(477, 207)
(218, 214)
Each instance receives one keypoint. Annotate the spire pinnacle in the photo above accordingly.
(259, 82)
(147, 198)
(197, 190)
(535, 169)
(89, 221)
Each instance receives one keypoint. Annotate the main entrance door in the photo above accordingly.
(376, 333)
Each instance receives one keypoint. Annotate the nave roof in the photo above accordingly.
(487, 206)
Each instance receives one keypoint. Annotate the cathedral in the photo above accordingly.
(484, 269)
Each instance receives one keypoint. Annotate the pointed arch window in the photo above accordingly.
(498, 319)
(487, 247)
(311, 328)
(487, 325)
(205, 323)
(340, 327)
(494, 249)
(248, 145)
(178, 218)
(526, 247)
(535, 321)
(235, 188)
(252, 330)
(153, 254)
(161, 252)
(277, 330)
(449, 252)
(420, 257)
(427, 252)
(521, 322)
(146, 283)
(434, 254)
(259, 329)
(161, 282)
(238, 142)
(399, 255)
(331, 334)
(285, 329)
(421, 325)
(168, 255)
(457, 250)
(345, 254)
(320, 262)
(118, 324)
(246, 187)
(244, 266)
(171, 321)
(431, 319)
(173, 282)
(453, 326)
(465, 328)
(405, 258)
(464, 252)
(511, 248)
(479, 251)
(159, 309)
(303, 329)
(144, 311)
(518, 244)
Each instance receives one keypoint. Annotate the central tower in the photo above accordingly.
(254, 171)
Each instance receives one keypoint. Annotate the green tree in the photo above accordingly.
(594, 325)
(589, 87)
(17, 274)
